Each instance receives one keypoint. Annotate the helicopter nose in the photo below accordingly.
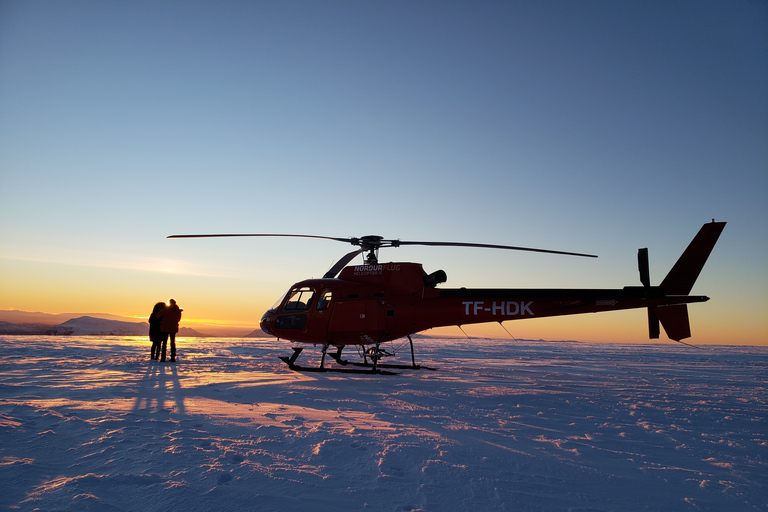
(266, 323)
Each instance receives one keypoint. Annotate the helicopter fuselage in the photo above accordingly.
(370, 304)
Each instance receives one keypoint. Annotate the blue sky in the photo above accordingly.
(589, 126)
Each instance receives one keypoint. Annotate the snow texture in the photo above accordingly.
(90, 423)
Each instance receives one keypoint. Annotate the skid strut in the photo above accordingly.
(374, 354)
(337, 355)
(290, 361)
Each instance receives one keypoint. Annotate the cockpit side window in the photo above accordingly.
(325, 299)
(300, 299)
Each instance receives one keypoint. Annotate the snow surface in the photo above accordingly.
(90, 423)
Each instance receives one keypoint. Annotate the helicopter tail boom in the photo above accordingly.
(666, 304)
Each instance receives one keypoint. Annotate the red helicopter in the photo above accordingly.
(374, 303)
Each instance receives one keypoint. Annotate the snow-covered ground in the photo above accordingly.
(90, 423)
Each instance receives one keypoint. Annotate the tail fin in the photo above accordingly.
(680, 279)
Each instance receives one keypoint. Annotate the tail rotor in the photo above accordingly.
(654, 328)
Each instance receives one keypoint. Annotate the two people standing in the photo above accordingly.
(164, 324)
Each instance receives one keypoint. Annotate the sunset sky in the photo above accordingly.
(591, 126)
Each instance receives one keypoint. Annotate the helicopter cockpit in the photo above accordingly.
(300, 299)
(290, 310)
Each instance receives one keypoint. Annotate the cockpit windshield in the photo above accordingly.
(299, 299)
(278, 302)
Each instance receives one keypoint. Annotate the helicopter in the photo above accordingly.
(369, 304)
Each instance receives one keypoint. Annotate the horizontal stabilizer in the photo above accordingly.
(683, 275)
(674, 319)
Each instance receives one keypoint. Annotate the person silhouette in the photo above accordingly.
(155, 334)
(169, 326)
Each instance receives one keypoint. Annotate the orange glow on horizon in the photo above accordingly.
(236, 306)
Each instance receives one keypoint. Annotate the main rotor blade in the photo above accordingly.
(493, 246)
(223, 235)
(371, 242)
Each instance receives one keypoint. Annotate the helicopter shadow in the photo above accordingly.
(160, 390)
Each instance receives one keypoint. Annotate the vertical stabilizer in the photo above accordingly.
(680, 279)
(675, 321)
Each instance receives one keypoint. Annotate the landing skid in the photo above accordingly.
(310, 369)
(373, 367)
(387, 365)
(291, 362)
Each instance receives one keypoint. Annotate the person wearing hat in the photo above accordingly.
(169, 325)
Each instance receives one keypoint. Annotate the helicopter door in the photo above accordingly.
(321, 313)
(357, 316)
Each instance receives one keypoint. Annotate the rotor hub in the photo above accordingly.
(371, 244)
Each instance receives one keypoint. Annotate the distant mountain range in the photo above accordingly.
(87, 326)
(26, 323)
